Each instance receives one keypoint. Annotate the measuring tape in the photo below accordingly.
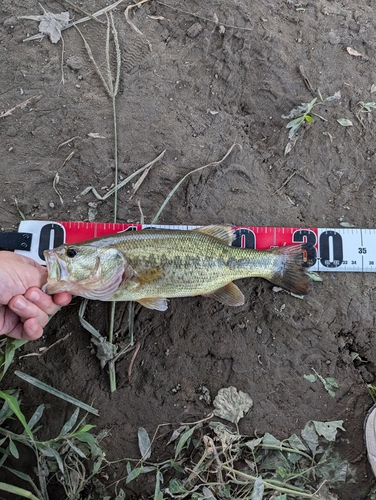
(343, 249)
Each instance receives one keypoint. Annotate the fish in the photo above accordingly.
(151, 266)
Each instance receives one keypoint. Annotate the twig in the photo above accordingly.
(21, 105)
(82, 11)
(285, 182)
(137, 348)
(46, 349)
(212, 164)
(132, 25)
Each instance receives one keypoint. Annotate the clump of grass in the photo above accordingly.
(211, 460)
(364, 110)
(74, 457)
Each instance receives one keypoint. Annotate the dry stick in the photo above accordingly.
(133, 26)
(82, 11)
(46, 349)
(212, 164)
(285, 182)
(22, 105)
(137, 348)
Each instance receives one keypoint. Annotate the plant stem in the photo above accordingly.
(111, 364)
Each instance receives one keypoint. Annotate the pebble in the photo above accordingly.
(74, 62)
(194, 30)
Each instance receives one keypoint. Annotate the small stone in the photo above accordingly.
(51, 205)
(74, 62)
(194, 30)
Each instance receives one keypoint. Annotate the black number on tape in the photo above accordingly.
(331, 249)
(244, 238)
(50, 233)
(305, 236)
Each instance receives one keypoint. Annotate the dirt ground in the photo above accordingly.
(215, 73)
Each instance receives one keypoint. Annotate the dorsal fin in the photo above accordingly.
(223, 233)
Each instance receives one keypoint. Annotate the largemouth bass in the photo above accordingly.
(150, 266)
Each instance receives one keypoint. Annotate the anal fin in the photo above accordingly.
(156, 303)
(230, 295)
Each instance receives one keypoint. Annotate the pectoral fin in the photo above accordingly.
(157, 303)
(228, 294)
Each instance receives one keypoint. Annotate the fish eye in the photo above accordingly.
(71, 252)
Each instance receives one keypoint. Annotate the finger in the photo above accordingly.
(42, 300)
(30, 330)
(62, 299)
(26, 310)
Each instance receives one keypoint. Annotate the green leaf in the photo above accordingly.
(175, 486)
(176, 466)
(310, 436)
(332, 468)
(51, 452)
(13, 449)
(70, 423)
(85, 437)
(21, 475)
(344, 122)
(144, 443)
(76, 449)
(36, 416)
(310, 377)
(296, 443)
(253, 443)
(20, 492)
(85, 428)
(309, 119)
(55, 392)
(6, 359)
(258, 489)
(158, 495)
(270, 440)
(134, 474)
(184, 438)
(328, 429)
(13, 404)
(231, 405)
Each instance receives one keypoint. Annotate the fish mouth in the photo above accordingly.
(57, 273)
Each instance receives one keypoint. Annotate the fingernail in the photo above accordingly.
(20, 303)
(34, 296)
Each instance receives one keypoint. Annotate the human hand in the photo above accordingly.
(24, 308)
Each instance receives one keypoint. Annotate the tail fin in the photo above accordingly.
(291, 269)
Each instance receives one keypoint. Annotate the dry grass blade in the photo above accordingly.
(212, 164)
(122, 183)
(46, 349)
(137, 186)
(92, 59)
(21, 105)
(126, 13)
